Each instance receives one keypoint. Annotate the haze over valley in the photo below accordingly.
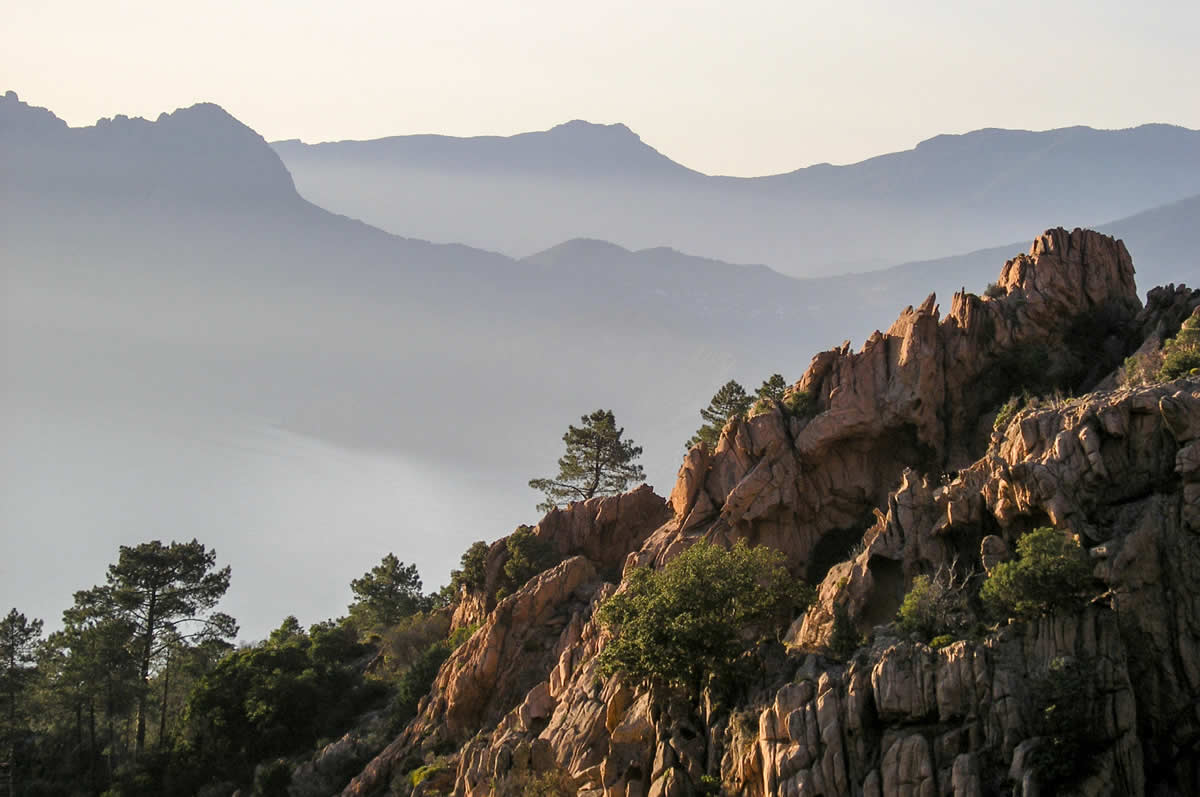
(171, 303)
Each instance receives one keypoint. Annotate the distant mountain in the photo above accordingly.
(187, 235)
(575, 148)
(170, 268)
(194, 154)
(525, 193)
(167, 273)
(1164, 242)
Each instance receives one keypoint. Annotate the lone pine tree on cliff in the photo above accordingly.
(597, 462)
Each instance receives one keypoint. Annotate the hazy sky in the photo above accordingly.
(736, 88)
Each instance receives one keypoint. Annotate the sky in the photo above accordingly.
(744, 88)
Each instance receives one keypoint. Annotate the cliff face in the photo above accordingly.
(893, 451)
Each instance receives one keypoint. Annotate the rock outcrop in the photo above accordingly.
(522, 637)
(603, 530)
(882, 465)
(922, 395)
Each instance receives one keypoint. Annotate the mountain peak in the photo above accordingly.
(583, 127)
(200, 152)
(580, 251)
(20, 118)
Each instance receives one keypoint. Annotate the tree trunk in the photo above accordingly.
(112, 732)
(92, 744)
(12, 732)
(144, 685)
(162, 714)
(79, 735)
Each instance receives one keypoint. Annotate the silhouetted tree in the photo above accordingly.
(19, 638)
(165, 594)
(597, 462)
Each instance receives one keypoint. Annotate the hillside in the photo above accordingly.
(525, 193)
(898, 469)
(166, 288)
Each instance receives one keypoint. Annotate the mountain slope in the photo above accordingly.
(526, 193)
(896, 471)
(577, 147)
(166, 274)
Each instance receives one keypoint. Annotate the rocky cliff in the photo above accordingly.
(879, 466)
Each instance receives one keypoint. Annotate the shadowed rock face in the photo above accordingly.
(1119, 468)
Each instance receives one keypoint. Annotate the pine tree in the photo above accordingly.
(729, 402)
(19, 638)
(165, 593)
(597, 462)
(389, 593)
(773, 388)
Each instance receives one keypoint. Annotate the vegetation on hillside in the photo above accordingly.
(1051, 572)
(732, 401)
(141, 693)
(688, 623)
(1179, 356)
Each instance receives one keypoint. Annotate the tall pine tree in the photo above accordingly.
(165, 594)
(19, 639)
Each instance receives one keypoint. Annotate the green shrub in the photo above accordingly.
(1142, 369)
(471, 573)
(934, 606)
(993, 291)
(1179, 356)
(763, 405)
(1051, 572)
(528, 555)
(844, 640)
(1179, 362)
(688, 623)
(407, 642)
(462, 634)
(529, 784)
(1008, 410)
(415, 684)
(424, 773)
(941, 641)
(800, 403)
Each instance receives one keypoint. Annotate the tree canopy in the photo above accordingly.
(163, 594)
(687, 623)
(732, 401)
(1051, 571)
(728, 402)
(388, 593)
(527, 556)
(597, 462)
(19, 637)
(772, 388)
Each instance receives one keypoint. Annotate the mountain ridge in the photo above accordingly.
(948, 193)
(933, 143)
